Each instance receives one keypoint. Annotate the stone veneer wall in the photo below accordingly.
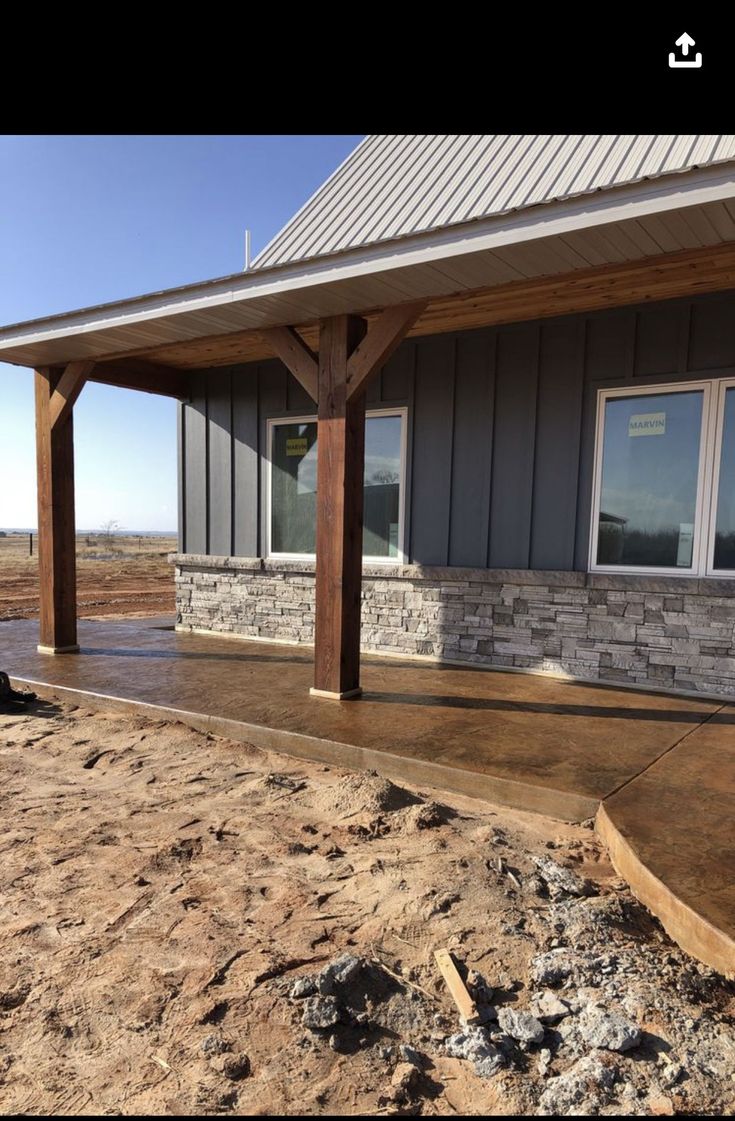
(675, 633)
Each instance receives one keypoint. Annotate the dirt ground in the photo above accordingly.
(191, 925)
(127, 576)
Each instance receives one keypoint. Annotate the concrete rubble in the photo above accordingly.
(568, 1037)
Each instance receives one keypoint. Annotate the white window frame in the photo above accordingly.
(703, 515)
(274, 422)
(721, 386)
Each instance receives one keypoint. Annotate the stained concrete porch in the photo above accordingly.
(659, 769)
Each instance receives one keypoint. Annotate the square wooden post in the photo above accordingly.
(57, 567)
(339, 511)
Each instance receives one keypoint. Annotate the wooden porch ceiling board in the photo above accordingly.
(653, 278)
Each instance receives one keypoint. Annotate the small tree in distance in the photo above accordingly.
(109, 529)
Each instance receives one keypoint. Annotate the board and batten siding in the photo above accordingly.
(500, 431)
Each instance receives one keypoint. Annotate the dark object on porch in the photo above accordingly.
(10, 699)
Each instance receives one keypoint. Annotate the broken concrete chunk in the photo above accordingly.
(547, 1006)
(519, 1025)
(472, 1044)
(303, 986)
(489, 1066)
(343, 970)
(608, 1030)
(553, 967)
(411, 1055)
(320, 1012)
(582, 1089)
(544, 1061)
(478, 988)
(558, 878)
(215, 1045)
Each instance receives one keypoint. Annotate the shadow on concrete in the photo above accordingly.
(494, 704)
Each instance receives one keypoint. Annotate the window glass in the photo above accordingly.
(725, 524)
(382, 486)
(650, 470)
(293, 487)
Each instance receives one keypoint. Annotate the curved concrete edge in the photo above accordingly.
(690, 930)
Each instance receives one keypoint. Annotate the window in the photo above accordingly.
(664, 493)
(292, 486)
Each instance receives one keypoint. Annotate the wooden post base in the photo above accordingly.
(326, 694)
(57, 649)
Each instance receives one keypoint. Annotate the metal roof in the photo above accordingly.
(645, 219)
(393, 187)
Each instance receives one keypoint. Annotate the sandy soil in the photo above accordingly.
(163, 890)
(132, 577)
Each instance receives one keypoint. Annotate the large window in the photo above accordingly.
(664, 494)
(292, 486)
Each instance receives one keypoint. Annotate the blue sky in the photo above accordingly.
(88, 219)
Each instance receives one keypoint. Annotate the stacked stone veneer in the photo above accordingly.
(671, 633)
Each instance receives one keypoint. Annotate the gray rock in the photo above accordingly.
(489, 1066)
(544, 1061)
(519, 1025)
(472, 1044)
(671, 1074)
(582, 1089)
(320, 1012)
(411, 1055)
(558, 878)
(608, 1030)
(302, 986)
(215, 1045)
(342, 971)
(553, 967)
(479, 989)
(547, 1006)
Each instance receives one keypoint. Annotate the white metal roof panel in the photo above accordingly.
(394, 187)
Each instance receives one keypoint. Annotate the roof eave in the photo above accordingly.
(671, 192)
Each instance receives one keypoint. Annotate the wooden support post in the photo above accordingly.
(56, 530)
(339, 499)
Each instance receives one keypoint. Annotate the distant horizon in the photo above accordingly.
(99, 531)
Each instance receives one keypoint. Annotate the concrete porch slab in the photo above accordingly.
(532, 742)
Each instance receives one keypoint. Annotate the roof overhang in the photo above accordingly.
(625, 224)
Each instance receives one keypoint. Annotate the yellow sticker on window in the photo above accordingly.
(296, 446)
(647, 424)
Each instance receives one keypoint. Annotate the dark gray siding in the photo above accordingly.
(500, 431)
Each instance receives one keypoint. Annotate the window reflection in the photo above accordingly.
(725, 524)
(293, 487)
(650, 470)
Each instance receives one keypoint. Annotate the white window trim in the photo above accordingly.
(274, 422)
(705, 512)
(721, 386)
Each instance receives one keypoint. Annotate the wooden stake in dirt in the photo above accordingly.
(457, 988)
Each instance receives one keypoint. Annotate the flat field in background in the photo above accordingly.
(122, 575)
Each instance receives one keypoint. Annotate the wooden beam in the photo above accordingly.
(382, 338)
(296, 357)
(56, 529)
(70, 385)
(665, 276)
(461, 997)
(148, 377)
(339, 499)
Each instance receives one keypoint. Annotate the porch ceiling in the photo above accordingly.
(655, 241)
